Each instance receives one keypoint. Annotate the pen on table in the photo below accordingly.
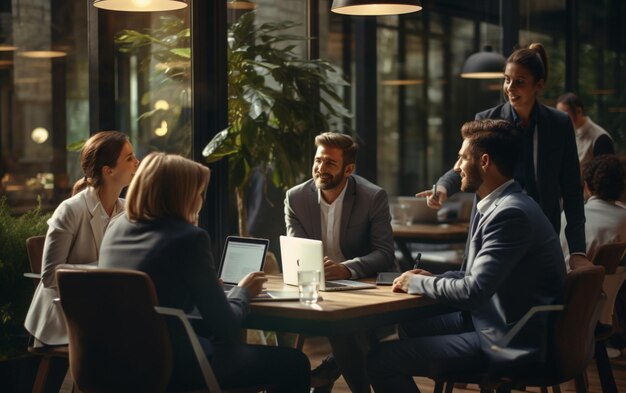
(435, 193)
(417, 260)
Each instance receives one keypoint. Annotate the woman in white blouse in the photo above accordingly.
(77, 226)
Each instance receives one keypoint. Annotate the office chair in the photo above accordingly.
(571, 341)
(34, 249)
(609, 256)
(118, 339)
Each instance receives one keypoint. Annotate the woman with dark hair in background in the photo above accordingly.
(159, 236)
(77, 226)
(548, 169)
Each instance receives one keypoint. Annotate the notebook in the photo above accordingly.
(308, 254)
(241, 255)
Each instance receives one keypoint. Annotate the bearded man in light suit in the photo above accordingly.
(351, 217)
(514, 262)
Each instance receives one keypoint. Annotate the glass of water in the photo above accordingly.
(309, 285)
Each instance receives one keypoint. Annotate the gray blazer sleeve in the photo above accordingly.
(380, 257)
(502, 249)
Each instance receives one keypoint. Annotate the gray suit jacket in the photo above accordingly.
(366, 236)
(75, 232)
(514, 263)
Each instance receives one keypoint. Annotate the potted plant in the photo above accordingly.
(16, 293)
(277, 102)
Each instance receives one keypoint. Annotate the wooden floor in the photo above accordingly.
(317, 348)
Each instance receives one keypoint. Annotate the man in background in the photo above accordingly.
(591, 139)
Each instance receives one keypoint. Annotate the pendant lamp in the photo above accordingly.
(375, 7)
(484, 65)
(140, 5)
(240, 5)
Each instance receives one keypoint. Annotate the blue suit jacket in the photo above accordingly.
(514, 263)
(366, 235)
(558, 173)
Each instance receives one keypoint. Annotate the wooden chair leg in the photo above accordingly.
(438, 386)
(544, 389)
(42, 374)
(449, 387)
(556, 389)
(604, 368)
(581, 384)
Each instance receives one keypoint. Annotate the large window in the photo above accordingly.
(43, 98)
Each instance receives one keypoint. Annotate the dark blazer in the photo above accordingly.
(366, 236)
(177, 257)
(558, 172)
(515, 262)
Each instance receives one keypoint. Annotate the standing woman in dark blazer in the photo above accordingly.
(549, 168)
(158, 235)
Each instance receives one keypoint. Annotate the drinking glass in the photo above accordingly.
(309, 284)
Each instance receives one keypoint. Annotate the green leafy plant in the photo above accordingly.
(276, 103)
(16, 291)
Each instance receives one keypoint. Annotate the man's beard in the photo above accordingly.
(328, 184)
(472, 180)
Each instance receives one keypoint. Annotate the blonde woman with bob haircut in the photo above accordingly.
(159, 236)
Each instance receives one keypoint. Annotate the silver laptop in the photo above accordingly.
(308, 254)
(241, 255)
(417, 210)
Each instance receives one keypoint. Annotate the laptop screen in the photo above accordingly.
(242, 255)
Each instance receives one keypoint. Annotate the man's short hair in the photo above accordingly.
(604, 176)
(165, 185)
(339, 141)
(572, 101)
(497, 138)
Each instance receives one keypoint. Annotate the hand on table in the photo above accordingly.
(335, 271)
(401, 284)
(253, 282)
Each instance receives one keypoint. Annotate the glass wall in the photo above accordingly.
(43, 99)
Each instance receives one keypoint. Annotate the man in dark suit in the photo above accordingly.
(548, 171)
(351, 217)
(514, 262)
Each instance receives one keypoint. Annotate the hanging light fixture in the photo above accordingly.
(484, 65)
(140, 5)
(375, 7)
(240, 5)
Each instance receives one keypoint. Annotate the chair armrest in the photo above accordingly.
(504, 342)
(33, 275)
(207, 371)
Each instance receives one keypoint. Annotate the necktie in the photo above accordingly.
(475, 222)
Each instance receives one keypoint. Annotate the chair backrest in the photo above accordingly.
(574, 328)
(609, 256)
(117, 341)
(34, 248)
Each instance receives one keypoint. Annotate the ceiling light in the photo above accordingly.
(42, 54)
(240, 5)
(375, 7)
(484, 65)
(140, 5)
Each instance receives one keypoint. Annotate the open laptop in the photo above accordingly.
(241, 255)
(308, 254)
(418, 211)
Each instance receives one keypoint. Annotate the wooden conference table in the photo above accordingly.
(339, 312)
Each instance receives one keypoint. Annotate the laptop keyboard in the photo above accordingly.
(330, 284)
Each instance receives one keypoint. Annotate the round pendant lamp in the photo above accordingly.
(375, 7)
(240, 5)
(140, 5)
(484, 65)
